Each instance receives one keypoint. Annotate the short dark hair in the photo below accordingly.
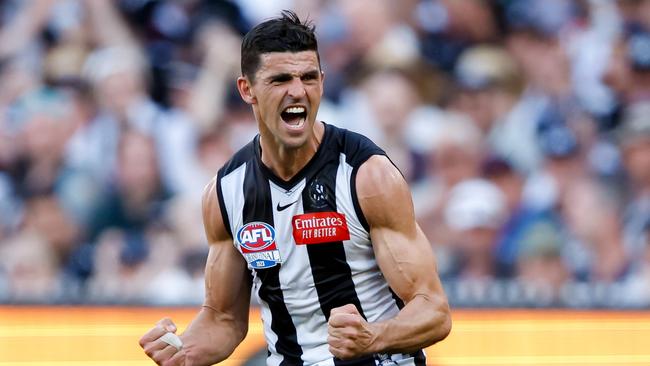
(286, 33)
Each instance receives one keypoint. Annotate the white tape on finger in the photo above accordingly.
(172, 340)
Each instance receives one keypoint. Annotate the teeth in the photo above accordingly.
(295, 110)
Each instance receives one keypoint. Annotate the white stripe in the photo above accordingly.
(271, 338)
(269, 335)
(328, 362)
(297, 283)
(232, 188)
(374, 295)
(344, 202)
(406, 361)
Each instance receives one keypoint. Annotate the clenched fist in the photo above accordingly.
(160, 350)
(349, 334)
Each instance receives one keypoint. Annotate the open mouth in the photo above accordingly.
(294, 117)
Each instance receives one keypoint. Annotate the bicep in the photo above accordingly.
(402, 251)
(227, 279)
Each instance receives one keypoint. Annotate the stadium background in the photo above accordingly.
(522, 126)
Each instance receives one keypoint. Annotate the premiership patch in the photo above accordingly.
(257, 243)
(320, 227)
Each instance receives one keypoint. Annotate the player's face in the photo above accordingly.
(285, 96)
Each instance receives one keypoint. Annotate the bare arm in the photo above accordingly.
(108, 25)
(222, 322)
(408, 264)
(220, 66)
(24, 27)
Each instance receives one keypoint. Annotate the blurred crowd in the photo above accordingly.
(522, 126)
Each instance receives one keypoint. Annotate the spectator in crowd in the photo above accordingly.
(383, 113)
(454, 155)
(448, 27)
(628, 71)
(522, 217)
(634, 137)
(144, 268)
(475, 212)
(637, 286)
(491, 92)
(137, 196)
(118, 260)
(564, 185)
(29, 269)
(540, 265)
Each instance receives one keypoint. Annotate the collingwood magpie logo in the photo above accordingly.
(317, 194)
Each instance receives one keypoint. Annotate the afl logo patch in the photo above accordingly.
(257, 244)
(256, 236)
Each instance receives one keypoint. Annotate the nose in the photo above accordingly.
(296, 88)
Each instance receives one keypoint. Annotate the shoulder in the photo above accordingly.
(377, 176)
(356, 147)
(382, 191)
(213, 220)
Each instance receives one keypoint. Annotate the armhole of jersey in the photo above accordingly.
(355, 198)
(353, 186)
(222, 206)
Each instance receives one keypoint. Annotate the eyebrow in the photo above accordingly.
(285, 76)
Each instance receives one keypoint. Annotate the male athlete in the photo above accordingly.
(317, 223)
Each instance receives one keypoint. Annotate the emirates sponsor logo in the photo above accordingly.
(320, 227)
(316, 222)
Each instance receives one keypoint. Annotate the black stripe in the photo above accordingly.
(245, 154)
(398, 301)
(222, 206)
(329, 266)
(258, 206)
(363, 361)
(355, 199)
(419, 358)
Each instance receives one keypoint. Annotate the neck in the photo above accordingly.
(286, 162)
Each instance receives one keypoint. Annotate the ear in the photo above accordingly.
(245, 90)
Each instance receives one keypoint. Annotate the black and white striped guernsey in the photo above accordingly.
(307, 245)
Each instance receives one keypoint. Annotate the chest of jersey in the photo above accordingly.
(279, 221)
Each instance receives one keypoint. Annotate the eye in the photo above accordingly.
(309, 76)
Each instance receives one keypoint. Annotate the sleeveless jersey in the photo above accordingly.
(308, 247)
